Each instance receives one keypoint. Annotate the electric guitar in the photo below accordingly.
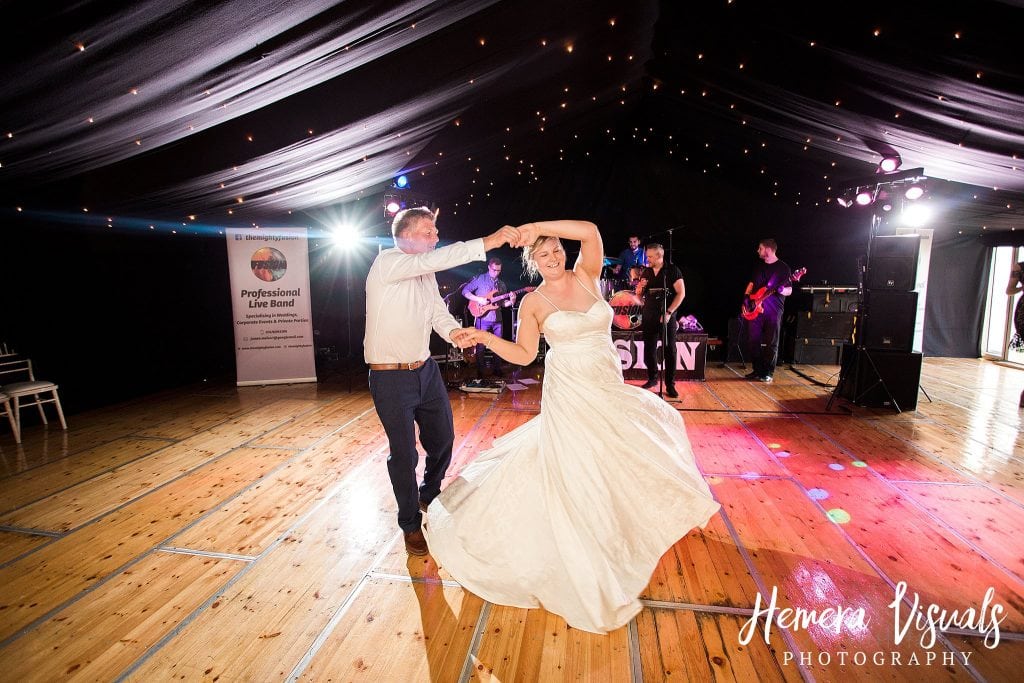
(478, 309)
(753, 306)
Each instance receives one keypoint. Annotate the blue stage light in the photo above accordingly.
(401, 182)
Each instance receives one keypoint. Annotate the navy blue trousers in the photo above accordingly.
(403, 399)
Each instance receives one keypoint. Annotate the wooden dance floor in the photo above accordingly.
(248, 534)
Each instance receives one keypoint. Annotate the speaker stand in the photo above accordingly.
(738, 343)
(854, 370)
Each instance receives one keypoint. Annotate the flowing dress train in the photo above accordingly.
(573, 510)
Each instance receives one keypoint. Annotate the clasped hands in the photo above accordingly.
(521, 236)
(469, 336)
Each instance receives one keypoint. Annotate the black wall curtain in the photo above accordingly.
(957, 289)
(111, 314)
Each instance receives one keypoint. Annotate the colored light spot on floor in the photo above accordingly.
(782, 454)
(839, 516)
(817, 494)
(859, 463)
(836, 466)
(713, 481)
(750, 475)
(773, 446)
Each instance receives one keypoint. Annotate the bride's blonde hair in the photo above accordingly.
(530, 267)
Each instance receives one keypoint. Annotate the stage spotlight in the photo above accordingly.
(401, 182)
(844, 201)
(916, 215)
(392, 207)
(914, 192)
(889, 163)
(864, 197)
(345, 235)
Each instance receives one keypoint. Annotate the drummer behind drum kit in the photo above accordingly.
(627, 306)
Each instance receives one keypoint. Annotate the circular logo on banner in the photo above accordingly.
(268, 264)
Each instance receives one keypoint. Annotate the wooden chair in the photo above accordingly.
(13, 367)
(6, 401)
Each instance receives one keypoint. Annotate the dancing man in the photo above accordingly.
(402, 306)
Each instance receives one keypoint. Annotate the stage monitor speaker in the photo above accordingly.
(892, 264)
(888, 320)
(864, 371)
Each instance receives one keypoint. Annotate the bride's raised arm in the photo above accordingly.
(591, 257)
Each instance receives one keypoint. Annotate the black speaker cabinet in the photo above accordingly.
(888, 320)
(834, 302)
(817, 351)
(813, 325)
(892, 264)
(864, 371)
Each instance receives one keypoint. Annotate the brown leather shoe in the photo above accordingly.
(415, 543)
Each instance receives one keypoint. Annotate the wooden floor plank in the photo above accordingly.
(988, 521)
(99, 636)
(317, 423)
(534, 645)
(428, 628)
(722, 446)
(62, 569)
(681, 645)
(704, 568)
(786, 538)
(45, 480)
(263, 624)
(248, 524)
(14, 544)
(1000, 663)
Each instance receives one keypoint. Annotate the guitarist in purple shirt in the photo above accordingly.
(765, 298)
(481, 290)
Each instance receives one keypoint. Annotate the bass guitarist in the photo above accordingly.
(481, 290)
(765, 298)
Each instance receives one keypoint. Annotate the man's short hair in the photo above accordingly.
(770, 243)
(405, 219)
(654, 246)
(633, 237)
(494, 261)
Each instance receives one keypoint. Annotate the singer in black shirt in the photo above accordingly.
(660, 282)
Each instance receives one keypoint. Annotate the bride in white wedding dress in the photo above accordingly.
(572, 510)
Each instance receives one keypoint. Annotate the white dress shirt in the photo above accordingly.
(403, 303)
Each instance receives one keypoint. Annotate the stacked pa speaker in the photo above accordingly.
(890, 302)
(883, 370)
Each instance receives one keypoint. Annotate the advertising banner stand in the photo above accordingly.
(269, 273)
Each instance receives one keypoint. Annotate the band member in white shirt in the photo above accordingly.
(403, 304)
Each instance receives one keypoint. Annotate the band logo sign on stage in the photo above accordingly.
(269, 273)
(689, 355)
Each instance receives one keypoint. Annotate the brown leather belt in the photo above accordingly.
(397, 366)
